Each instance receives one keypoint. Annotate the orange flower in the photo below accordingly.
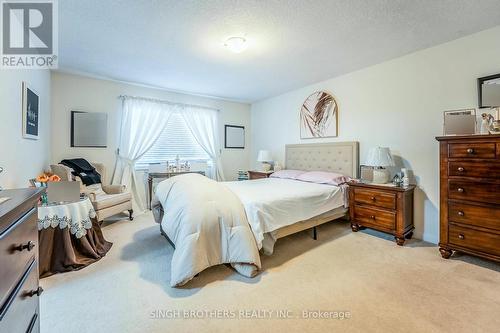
(43, 178)
(54, 178)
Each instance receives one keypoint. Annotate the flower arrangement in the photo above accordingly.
(42, 179)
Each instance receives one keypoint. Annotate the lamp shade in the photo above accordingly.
(379, 157)
(264, 156)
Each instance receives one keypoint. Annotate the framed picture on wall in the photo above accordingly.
(89, 129)
(234, 137)
(319, 116)
(31, 112)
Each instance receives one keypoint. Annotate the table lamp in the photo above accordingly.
(265, 157)
(379, 158)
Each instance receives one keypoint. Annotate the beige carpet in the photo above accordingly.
(384, 288)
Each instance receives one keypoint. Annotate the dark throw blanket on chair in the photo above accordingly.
(84, 170)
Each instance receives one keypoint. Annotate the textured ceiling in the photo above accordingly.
(177, 45)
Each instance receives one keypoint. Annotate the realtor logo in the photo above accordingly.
(29, 34)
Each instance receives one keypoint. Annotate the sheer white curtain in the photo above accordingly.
(204, 125)
(142, 123)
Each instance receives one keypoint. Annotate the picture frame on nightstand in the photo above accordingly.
(366, 173)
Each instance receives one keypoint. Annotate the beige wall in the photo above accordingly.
(22, 158)
(398, 104)
(75, 92)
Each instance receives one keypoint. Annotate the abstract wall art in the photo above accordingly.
(319, 116)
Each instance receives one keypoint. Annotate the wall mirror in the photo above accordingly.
(489, 91)
(89, 129)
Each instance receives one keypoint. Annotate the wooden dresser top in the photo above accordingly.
(469, 137)
(17, 198)
(382, 187)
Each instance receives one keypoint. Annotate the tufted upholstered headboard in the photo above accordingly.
(341, 157)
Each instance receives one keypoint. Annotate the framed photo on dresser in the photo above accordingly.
(459, 122)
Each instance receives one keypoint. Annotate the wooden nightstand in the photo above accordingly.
(384, 208)
(259, 174)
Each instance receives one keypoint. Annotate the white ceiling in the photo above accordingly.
(177, 44)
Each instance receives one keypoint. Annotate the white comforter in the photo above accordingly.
(207, 223)
(273, 203)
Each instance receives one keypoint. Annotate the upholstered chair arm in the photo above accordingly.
(113, 189)
(91, 196)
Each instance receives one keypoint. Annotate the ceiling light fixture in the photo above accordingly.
(236, 44)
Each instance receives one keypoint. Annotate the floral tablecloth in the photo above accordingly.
(76, 216)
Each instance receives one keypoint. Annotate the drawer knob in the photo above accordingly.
(372, 217)
(460, 213)
(470, 151)
(460, 190)
(37, 292)
(461, 236)
(28, 246)
(373, 198)
(460, 169)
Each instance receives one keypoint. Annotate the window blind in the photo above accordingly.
(175, 139)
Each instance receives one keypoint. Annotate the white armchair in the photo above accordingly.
(108, 200)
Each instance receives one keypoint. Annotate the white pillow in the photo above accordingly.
(323, 177)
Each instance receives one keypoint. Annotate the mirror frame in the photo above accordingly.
(480, 82)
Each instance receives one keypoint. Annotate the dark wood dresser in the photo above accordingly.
(384, 208)
(19, 289)
(470, 195)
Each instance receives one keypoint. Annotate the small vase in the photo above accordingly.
(45, 199)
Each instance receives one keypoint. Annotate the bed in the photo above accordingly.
(341, 157)
(211, 223)
(285, 206)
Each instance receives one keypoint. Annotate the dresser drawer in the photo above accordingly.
(474, 239)
(474, 191)
(370, 216)
(487, 217)
(20, 312)
(474, 169)
(375, 198)
(16, 251)
(472, 150)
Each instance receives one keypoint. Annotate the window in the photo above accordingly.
(176, 139)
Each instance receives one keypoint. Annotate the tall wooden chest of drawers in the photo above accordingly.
(470, 195)
(19, 289)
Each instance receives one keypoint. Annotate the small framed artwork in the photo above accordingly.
(234, 137)
(89, 129)
(31, 112)
(319, 116)
(366, 173)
